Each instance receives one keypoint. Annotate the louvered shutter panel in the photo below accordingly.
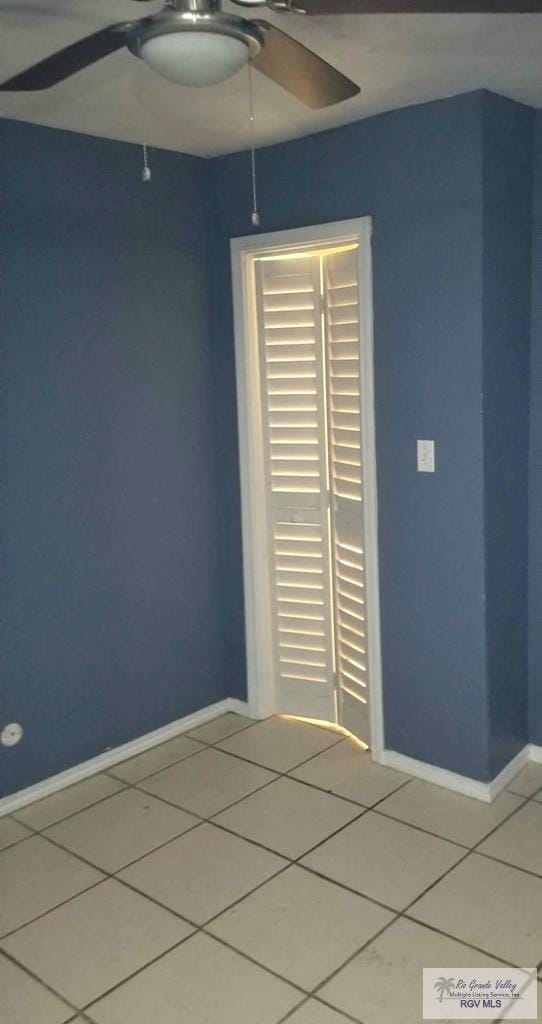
(289, 309)
(341, 298)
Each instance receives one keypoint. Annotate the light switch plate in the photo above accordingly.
(426, 456)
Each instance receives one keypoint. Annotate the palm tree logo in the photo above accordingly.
(444, 986)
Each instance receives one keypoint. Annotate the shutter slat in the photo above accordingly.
(344, 375)
(292, 371)
(311, 395)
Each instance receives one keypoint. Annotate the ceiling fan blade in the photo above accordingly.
(68, 61)
(300, 71)
(421, 6)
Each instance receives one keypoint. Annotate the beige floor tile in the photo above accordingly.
(519, 840)
(11, 832)
(95, 941)
(201, 982)
(383, 984)
(36, 876)
(155, 759)
(348, 771)
(528, 782)
(493, 906)
(22, 999)
(203, 872)
(68, 801)
(288, 817)
(120, 829)
(279, 743)
(220, 728)
(207, 783)
(538, 796)
(313, 1012)
(300, 926)
(384, 859)
(448, 814)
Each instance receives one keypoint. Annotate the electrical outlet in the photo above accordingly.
(11, 734)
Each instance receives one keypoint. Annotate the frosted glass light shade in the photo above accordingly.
(195, 58)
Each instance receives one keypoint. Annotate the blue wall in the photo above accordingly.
(123, 577)
(508, 153)
(418, 172)
(535, 495)
(112, 623)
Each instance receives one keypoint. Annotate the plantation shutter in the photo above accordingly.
(341, 299)
(290, 329)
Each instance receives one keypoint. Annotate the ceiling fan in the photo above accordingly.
(194, 42)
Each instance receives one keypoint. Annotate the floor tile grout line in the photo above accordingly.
(201, 929)
(114, 876)
(403, 913)
(57, 906)
(35, 977)
(352, 957)
(209, 818)
(348, 799)
(214, 938)
(16, 843)
(507, 864)
(150, 963)
(289, 863)
(438, 835)
(296, 860)
(198, 928)
(347, 888)
(108, 875)
(295, 1009)
(437, 881)
(38, 831)
(526, 800)
(289, 1015)
(282, 774)
(137, 785)
(222, 739)
(107, 871)
(463, 942)
(216, 746)
(200, 925)
(172, 764)
(256, 963)
(109, 773)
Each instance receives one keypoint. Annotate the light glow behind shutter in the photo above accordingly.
(290, 329)
(341, 292)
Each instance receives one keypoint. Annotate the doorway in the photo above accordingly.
(304, 361)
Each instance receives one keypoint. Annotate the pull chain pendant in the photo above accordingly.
(146, 174)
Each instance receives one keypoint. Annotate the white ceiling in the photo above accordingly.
(397, 60)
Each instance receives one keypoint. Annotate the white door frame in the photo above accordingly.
(258, 613)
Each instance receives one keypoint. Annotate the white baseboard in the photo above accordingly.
(484, 791)
(438, 776)
(509, 772)
(535, 753)
(8, 804)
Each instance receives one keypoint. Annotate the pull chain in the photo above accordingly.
(139, 89)
(255, 216)
(146, 173)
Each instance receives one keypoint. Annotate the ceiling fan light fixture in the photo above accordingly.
(196, 48)
(195, 58)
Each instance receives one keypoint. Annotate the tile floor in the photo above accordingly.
(255, 873)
